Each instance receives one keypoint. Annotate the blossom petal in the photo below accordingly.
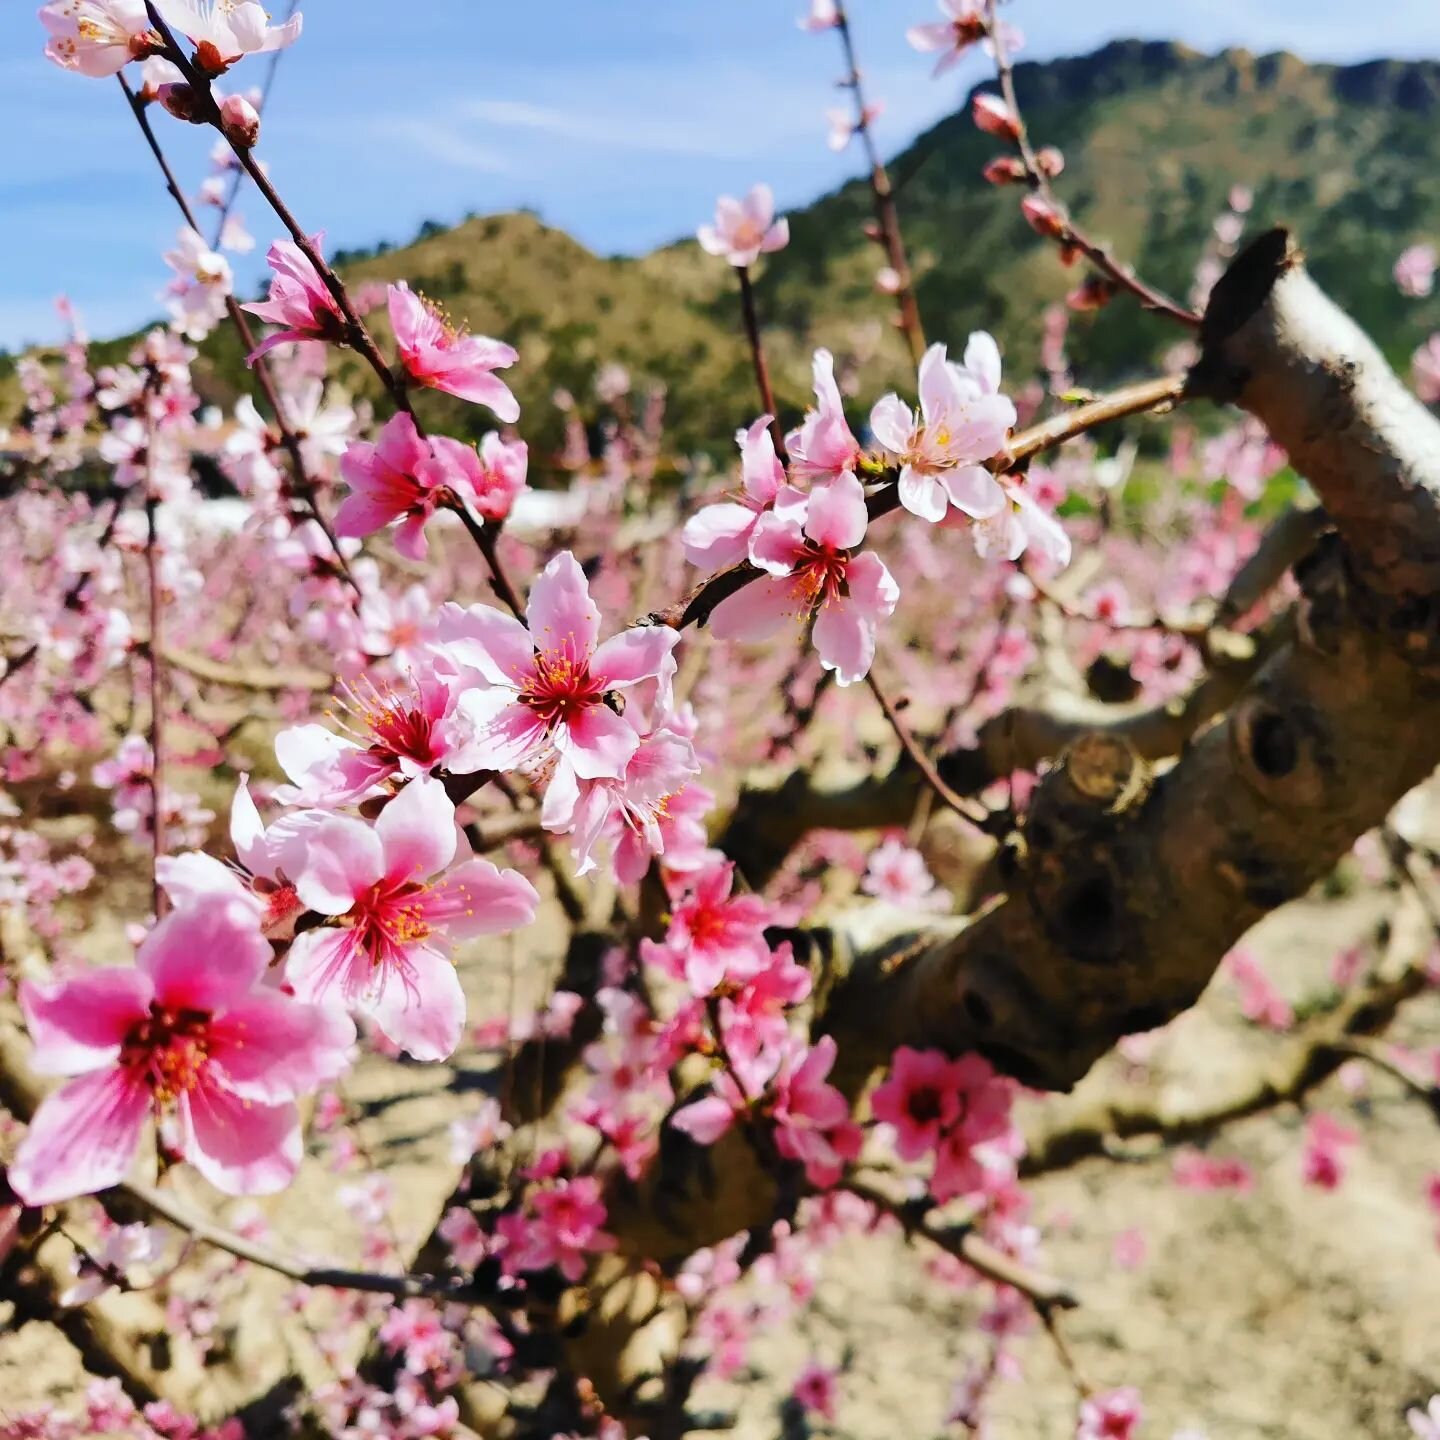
(561, 613)
(597, 742)
(973, 489)
(502, 731)
(640, 653)
(82, 1139)
(836, 517)
(486, 640)
(756, 612)
(273, 1048)
(336, 863)
(242, 1147)
(205, 957)
(477, 898)
(78, 1024)
(422, 1011)
(417, 829)
(922, 495)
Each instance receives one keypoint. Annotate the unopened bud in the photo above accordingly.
(1050, 161)
(1093, 293)
(1004, 170)
(888, 281)
(992, 115)
(240, 121)
(871, 231)
(209, 59)
(1044, 218)
(179, 99)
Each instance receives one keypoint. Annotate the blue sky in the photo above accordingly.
(619, 120)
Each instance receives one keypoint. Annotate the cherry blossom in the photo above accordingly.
(822, 15)
(807, 545)
(815, 1390)
(964, 25)
(1415, 270)
(563, 1228)
(719, 535)
(715, 935)
(384, 958)
(402, 477)
(300, 302)
(96, 37)
(745, 229)
(1425, 1424)
(437, 355)
(543, 689)
(1111, 1415)
(962, 420)
(1326, 1140)
(223, 31)
(125, 1246)
(186, 1036)
(823, 447)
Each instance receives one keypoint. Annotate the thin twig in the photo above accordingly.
(304, 485)
(972, 810)
(886, 214)
(757, 356)
(485, 537)
(1071, 236)
(157, 699)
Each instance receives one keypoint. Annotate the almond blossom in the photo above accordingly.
(437, 355)
(499, 477)
(824, 446)
(897, 873)
(1415, 270)
(96, 37)
(383, 959)
(962, 420)
(224, 31)
(300, 302)
(404, 477)
(714, 935)
(183, 1036)
(543, 689)
(202, 285)
(822, 15)
(718, 535)
(745, 229)
(807, 546)
(1425, 1424)
(1110, 1415)
(1023, 524)
(964, 25)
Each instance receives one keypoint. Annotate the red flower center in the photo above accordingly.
(820, 576)
(168, 1050)
(561, 688)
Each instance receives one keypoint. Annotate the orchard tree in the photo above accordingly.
(655, 707)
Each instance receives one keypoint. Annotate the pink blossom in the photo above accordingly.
(715, 935)
(1425, 368)
(1023, 524)
(543, 690)
(962, 420)
(1415, 270)
(1260, 1002)
(898, 874)
(500, 478)
(815, 1390)
(402, 477)
(125, 1247)
(184, 1034)
(300, 302)
(807, 545)
(394, 733)
(920, 1098)
(563, 1228)
(1425, 1424)
(1043, 217)
(823, 447)
(719, 535)
(96, 37)
(437, 355)
(1326, 1140)
(822, 15)
(241, 121)
(1194, 1170)
(384, 959)
(745, 229)
(812, 1118)
(992, 115)
(1111, 1415)
(633, 806)
(963, 26)
(223, 31)
(1130, 1249)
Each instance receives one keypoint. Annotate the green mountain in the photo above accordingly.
(1154, 135)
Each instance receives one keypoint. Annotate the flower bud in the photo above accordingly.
(992, 115)
(871, 231)
(240, 121)
(888, 281)
(1050, 161)
(1044, 218)
(1093, 293)
(179, 99)
(1004, 170)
